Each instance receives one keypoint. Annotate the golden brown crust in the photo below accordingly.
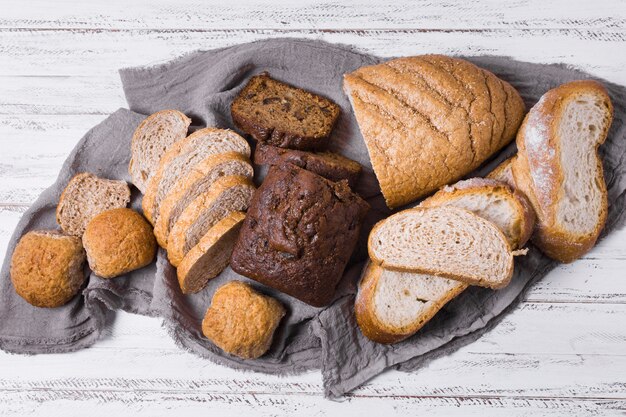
(242, 321)
(183, 185)
(47, 268)
(429, 120)
(543, 155)
(118, 241)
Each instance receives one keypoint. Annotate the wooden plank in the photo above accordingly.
(102, 52)
(348, 14)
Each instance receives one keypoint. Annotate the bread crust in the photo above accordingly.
(137, 178)
(47, 268)
(183, 186)
(118, 241)
(372, 327)
(525, 212)
(428, 120)
(543, 155)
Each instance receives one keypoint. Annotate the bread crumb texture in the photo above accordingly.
(242, 321)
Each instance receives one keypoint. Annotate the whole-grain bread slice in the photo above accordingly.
(85, 196)
(559, 169)
(329, 165)
(391, 306)
(492, 200)
(199, 180)
(228, 194)
(151, 140)
(211, 255)
(283, 115)
(504, 172)
(445, 241)
(182, 157)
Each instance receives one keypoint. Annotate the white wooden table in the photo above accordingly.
(561, 352)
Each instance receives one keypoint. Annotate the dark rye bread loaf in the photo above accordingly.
(282, 115)
(299, 233)
(327, 164)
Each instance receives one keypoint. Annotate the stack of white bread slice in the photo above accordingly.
(196, 190)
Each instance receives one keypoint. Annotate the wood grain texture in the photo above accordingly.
(562, 352)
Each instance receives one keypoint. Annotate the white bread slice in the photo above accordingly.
(199, 180)
(390, 305)
(558, 167)
(151, 140)
(211, 255)
(504, 172)
(180, 159)
(444, 241)
(492, 200)
(85, 196)
(228, 194)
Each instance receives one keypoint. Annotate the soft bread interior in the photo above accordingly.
(582, 126)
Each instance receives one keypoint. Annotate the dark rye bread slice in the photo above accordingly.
(151, 140)
(327, 164)
(85, 196)
(299, 234)
(228, 194)
(282, 115)
(199, 180)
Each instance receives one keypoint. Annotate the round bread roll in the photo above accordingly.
(118, 241)
(47, 268)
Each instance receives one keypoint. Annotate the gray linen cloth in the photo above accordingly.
(202, 85)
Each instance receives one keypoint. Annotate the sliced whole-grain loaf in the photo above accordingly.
(391, 306)
(151, 140)
(199, 180)
(177, 162)
(558, 167)
(445, 241)
(429, 120)
(282, 115)
(329, 165)
(210, 256)
(492, 200)
(504, 172)
(85, 196)
(228, 194)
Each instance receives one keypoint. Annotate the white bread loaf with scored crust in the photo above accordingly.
(201, 178)
(228, 194)
(558, 167)
(429, 120)
(85, 196)
(444, 241)
(211, 255)
(492, 200)
(151, 140)
(180, 159)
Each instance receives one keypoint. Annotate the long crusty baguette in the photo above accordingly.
(429, 120)
(444, 241)
(201, 178)
(151, 140)
(492, 200)
(558, 167)
(178, 161)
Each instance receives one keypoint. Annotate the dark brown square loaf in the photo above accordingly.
(282, 115)
(299, 233)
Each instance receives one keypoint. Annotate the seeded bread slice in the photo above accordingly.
(327, 164)
(199, 180)
(559, 169)
(492, 200)
(182, 157)
(445, 241)
(228, 194)
(211, 255)
(85, 196)
(151, 140)
(391, 306)
(282, 115)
